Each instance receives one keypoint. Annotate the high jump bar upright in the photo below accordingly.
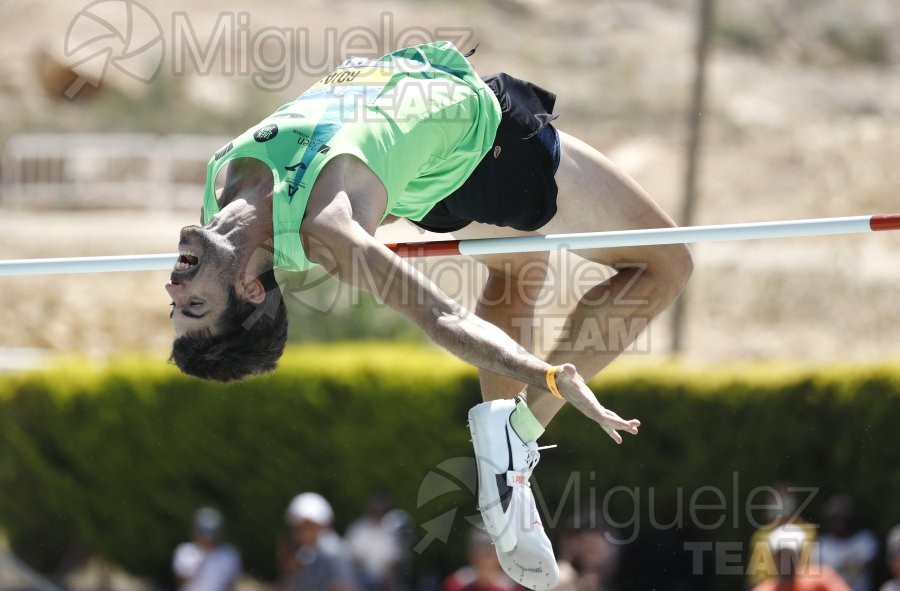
(483, 246)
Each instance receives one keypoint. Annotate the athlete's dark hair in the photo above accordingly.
(250, 339)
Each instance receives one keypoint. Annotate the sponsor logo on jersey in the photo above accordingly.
(266, 132)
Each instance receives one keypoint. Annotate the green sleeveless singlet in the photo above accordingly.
(420, 118)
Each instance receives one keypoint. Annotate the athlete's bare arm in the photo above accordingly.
(338, 234)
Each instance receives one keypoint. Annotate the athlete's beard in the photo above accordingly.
(218, 258)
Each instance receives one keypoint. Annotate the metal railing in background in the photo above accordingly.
(108, 171)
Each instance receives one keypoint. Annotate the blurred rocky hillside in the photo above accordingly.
(803, 121)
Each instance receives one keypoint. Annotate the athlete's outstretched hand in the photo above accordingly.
(576, 392)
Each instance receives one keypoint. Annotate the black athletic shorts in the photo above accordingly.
(513, 185)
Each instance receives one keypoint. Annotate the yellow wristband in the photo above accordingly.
(551, 382)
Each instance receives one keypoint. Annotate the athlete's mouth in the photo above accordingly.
(187, 264)
(187, 259)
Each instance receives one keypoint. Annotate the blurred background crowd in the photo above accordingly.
(789, 553)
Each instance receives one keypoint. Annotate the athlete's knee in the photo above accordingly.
(680, 265)
(671, 269)
(660, 273)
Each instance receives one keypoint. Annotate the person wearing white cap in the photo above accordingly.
(314, 557)
(781, 509)
(790, 553)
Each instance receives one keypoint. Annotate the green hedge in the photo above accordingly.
(114, 459)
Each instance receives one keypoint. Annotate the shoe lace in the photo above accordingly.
(532, 457)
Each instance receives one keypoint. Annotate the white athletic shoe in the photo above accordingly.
(531, 563)
(504, 463)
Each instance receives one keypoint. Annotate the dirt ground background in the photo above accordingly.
(803, 121)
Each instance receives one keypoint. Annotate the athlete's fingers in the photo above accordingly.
(617, 422)
(576, 391)
(614, 434)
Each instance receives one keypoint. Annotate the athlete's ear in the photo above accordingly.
(254, 292)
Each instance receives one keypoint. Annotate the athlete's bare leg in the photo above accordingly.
(594, 195)
(508, 300)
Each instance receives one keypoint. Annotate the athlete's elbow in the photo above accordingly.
(320, 252)
(330, 245)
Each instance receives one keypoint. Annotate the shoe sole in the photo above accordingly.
(539, 574)
(501, 532)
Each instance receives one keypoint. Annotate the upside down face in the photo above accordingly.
(206, 268)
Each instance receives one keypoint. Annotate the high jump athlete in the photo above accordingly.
(418, 135)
